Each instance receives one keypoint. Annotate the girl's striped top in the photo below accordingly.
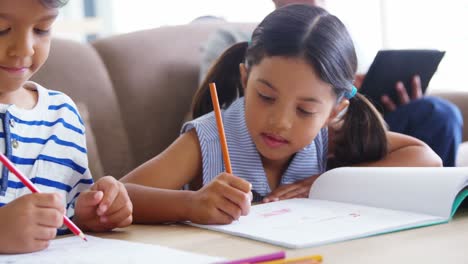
(46, 143)
(245, 159)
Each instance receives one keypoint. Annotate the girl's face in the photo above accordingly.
(286, 105)
(24, 40)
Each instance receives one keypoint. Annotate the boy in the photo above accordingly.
(43, 134)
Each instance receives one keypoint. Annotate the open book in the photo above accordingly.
(350, 203)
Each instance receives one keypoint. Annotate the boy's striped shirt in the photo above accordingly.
(47, 143)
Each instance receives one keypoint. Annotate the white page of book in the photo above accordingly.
(420, 190)
(304, 222)
(99, 250)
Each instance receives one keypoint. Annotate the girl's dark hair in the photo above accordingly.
(53, 3)
(321, 39)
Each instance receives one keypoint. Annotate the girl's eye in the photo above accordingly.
(304, 112)
(4, 31)
(266, 98)
(42, 31)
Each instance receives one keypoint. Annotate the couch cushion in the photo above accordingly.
(459, 98)
(462, 157)
(77, 70)
(155, 76)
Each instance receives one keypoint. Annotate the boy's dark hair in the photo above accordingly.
(321, 39)
(53, 3)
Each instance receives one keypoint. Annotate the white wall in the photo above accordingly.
(374, 24)
(432, 24)
(411, 24)
(142, 14)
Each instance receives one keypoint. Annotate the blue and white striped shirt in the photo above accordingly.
(245, 159)
(47, 144)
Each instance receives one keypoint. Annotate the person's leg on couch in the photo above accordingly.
(433, 120)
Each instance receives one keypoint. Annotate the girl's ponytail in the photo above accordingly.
(225, 73)
(361, 136)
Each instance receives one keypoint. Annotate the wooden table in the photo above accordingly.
(445, 243)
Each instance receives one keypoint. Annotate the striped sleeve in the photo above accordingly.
(210, 147)
(84, 180)
(324, 158)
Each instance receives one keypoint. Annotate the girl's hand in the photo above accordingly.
(299, 189)
(104, 207)
(221, 201)
(28, 223)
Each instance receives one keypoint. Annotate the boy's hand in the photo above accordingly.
(223, 200)
(28, 223)
(104, 207)
(299, 189)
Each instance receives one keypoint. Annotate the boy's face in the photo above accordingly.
(24, 40)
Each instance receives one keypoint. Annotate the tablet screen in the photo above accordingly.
(391, 66)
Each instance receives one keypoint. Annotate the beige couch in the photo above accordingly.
(137, 89)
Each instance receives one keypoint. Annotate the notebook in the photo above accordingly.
(98, 250)
(391, 66)
(350, 203)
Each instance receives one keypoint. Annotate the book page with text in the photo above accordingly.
(303, 222)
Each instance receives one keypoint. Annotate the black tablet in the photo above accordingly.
(391, 66)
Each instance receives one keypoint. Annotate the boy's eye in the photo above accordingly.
(4, 31)
(265, 98)
(42, 31)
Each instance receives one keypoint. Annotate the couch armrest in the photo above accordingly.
(460, 99)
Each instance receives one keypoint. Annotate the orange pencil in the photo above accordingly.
(219, 122)
(33, 189)
(299, 260)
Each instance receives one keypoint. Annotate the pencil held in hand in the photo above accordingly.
(7, 163)
(222, 136)
(219, 122)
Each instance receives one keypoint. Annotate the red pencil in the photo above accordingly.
(219, 122)
(33, 189)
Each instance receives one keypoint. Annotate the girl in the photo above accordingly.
(291, 82)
